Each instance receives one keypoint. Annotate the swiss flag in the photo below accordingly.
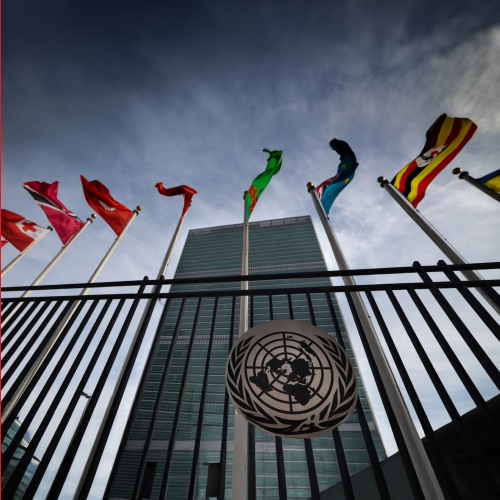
(100, 199)
(19, 231)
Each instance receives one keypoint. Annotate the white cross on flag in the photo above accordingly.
(21, 232)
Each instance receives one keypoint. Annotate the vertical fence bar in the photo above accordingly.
(8, 306)
(88, 475)
(138, 395)
(251, 309)
(479, 309)
(225, 417)
(280, 464)
(16, 440)
(251, 472)
(24, 354)
(251, 469)
(11, 320)
(457, 365)
(398, 436)
(19, 472)
(201, 413)
(380, 481)
(290, 306)
(442, 469)
(311, 468)
(343, 468)
(13, 405)
(469, 339)
(65, 466)
(158, 402)
(339, 448)
(77, 435)
(472, 448)
(15, 346)
(20, 323)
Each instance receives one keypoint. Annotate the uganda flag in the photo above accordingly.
(261, 181)
(445, 139)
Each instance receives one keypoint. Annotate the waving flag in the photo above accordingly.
(186, 191)
(261, 181)
(19, 231)
(100, 199)
(445, 139)
(331, 188)
(491, 180)
(65, 223)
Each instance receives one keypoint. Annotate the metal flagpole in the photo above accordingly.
(436, 238)
(51, 264)
(423, 468)
(471, 180)
(240, 424)
(36, 365)
(11, 264)
(161, 273)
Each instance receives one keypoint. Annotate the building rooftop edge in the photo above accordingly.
(264, 224)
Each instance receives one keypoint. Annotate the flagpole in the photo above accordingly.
(51, 264)
(11, 264)
(240, 424)
(479, 185)
(96, 273)
(36, 365)
(423, 468)
(161, 273)
(443, 245)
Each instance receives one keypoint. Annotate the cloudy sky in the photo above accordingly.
(133, 93)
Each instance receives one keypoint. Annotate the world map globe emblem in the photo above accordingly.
(291, 379)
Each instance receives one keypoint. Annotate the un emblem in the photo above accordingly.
(291, 379)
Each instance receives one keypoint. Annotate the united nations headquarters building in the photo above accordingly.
(182, 430)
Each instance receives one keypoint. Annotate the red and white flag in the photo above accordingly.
(186, 191)
(100, 199)
(21, 232)
(66, 223)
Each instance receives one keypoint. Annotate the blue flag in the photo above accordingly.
(331, 188)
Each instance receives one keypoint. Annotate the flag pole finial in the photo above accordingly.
(456, 171)
(245, 194)
(94, 216)
(382, 180)
(138, 208)
(309, 186)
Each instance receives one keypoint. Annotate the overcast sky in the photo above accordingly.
(134, 93)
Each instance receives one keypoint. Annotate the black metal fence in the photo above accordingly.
(90, 347)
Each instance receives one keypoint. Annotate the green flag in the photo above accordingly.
(261, 181)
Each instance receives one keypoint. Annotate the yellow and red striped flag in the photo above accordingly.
(445, 139)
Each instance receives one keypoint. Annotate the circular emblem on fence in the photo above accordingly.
(291, 379)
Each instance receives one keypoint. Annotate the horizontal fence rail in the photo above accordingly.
(60, 368)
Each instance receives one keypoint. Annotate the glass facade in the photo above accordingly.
(30, 471)
(275, 246)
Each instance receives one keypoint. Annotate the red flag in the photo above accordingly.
(100, 199)
(186, 191)
(19, 231)
(65, 223)
(4, 242)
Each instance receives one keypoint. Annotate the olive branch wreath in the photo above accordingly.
(335, 412)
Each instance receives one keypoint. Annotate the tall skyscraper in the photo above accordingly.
(275, 246)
